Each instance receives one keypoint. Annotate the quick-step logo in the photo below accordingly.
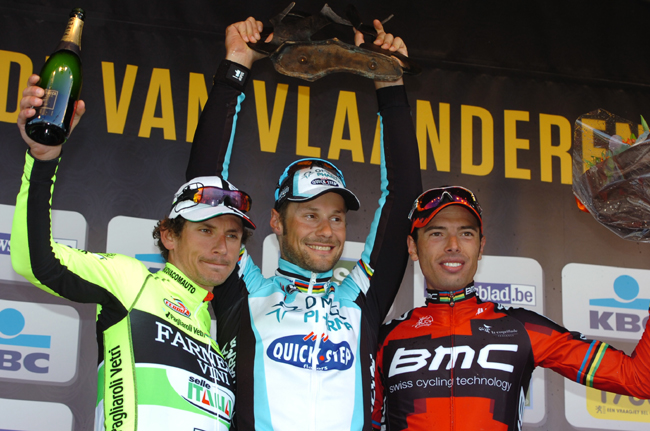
(300, 351)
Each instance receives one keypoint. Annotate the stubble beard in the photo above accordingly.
(303, 259)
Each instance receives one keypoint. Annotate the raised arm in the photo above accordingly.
(385, 250)
(57, 269)
(213, 139)
(589, 362)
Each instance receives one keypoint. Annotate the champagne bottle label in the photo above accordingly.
(49, 101)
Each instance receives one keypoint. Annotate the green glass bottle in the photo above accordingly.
(61, 78)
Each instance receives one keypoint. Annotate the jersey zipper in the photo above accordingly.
(313, 379)
(452, 418)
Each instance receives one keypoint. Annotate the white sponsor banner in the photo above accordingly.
(605, 302)
(131, 236)
(68, 228)
(514, 282)
(594, 409)
(20, 415)
(38, 342)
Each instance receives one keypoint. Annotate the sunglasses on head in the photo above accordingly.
(433, 198)
(215, 196)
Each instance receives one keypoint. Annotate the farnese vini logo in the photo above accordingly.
(178, 306)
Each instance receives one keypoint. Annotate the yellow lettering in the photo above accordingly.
(623, 130)
(426, 128)
(116, 111)
(562, 151)
(26, 69)
(302, 129)
(346, 108)
(160, 85)
(375, 156)
(467, 166)
(512, 144)
(589, 152)
(196, 98)
(269, 134)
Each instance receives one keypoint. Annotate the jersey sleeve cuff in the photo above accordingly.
(42, 170)
(233, 74)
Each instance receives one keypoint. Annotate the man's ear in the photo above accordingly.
(480, 252)
(276, 223)
(168, 239)
(413, 248)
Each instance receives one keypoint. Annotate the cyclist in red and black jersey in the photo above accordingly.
(462, 364)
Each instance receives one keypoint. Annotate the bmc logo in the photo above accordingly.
(38, 341)
(507, 294)
(410, 360)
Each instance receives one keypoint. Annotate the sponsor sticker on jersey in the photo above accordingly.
(178, 306)
(311, 351)
(203, 393)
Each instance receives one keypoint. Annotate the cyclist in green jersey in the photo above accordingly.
(159, 369)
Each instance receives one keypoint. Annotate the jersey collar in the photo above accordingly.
(197, 293)
(451, 297)
(302, 279)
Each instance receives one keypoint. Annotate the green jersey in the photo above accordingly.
(159, 369)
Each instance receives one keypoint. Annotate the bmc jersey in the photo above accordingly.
(158, 367)
(462, 364)
(303, 348)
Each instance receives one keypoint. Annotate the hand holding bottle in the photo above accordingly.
(33, 97)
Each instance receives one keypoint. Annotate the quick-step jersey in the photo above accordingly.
(462, 364)
(158, 367)
(303, 347)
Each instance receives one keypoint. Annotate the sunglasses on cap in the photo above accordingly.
(215, 196)
(434, 200)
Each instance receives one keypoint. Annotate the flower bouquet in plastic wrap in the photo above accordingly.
(611, 172)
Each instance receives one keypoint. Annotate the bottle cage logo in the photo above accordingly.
(304, 352)
(178, 306)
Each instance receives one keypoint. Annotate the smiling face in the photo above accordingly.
(206, 252)
(448, 249)
(312, 234)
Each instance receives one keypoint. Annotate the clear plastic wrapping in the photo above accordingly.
(611, 172)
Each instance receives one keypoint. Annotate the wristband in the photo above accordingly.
(233, 74)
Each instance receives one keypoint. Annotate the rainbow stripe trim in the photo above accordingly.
(591, 362)
(366, 269)
(447, 297)
(304, 286)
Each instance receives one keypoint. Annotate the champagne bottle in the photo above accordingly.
(61, 78)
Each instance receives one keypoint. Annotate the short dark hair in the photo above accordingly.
(176, 225)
